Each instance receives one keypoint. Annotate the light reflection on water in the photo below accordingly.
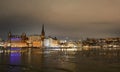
(50, 60)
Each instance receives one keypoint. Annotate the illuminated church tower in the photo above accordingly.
(42, 33)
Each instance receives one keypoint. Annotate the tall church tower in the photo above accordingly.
(42, 33)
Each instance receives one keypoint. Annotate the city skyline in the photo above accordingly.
(63, 19)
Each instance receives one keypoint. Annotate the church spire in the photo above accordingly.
(43, 32)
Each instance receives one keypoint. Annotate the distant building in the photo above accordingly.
(24, 41)
(32, 38)
(17, 40)
(102, 43)
(37, 40)
(34, 41)
(70, 43)
(1, 42)
(51, 42)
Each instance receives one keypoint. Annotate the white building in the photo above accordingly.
(51, 42)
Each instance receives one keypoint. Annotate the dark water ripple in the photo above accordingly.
(35, 60)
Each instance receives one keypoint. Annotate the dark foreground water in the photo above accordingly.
(37, 60)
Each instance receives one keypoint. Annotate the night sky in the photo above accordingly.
(71, 19)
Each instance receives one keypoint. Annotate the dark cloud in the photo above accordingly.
(62, 18)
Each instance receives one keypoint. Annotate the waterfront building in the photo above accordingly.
(71, 44)
(102, 43)
(37, 40)
(51, 42)
(17, 40)
(34, 41)
(24, 41)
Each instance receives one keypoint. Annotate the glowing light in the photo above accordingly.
(15, 39)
